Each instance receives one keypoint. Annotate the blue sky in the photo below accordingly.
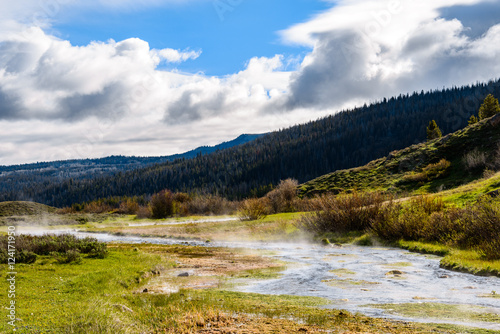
(228, 36)
(93, 78)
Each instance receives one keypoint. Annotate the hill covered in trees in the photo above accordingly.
(15, 179)
(348, 139)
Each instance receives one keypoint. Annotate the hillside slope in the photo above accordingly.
(8, 209)
(420, 168)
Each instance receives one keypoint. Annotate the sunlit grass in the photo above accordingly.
(463, 313)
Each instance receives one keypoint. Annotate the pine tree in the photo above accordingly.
(473, 120)
(490, 107)
(433, 131)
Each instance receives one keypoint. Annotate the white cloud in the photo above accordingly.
(176, 56)
(365, 50)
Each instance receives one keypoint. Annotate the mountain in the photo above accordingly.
(348, 139)
(16, 177)
(436, 165)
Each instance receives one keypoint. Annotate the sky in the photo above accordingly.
(88, 79)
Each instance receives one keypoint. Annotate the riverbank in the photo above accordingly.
(149, 288)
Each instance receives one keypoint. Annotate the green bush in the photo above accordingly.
(25, 257)
(28, 247)
(71, 256)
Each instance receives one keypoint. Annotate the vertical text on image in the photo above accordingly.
(11, 276)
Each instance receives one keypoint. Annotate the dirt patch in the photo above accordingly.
(222, 323)
(204, 268)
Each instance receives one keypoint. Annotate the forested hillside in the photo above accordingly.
(14, 179)
(348, 139)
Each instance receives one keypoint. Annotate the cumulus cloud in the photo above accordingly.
(368, 50)
(45, 79)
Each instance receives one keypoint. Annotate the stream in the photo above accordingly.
(354, 276)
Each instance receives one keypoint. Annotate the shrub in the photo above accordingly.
(430, 172)
(434, 171)
(409, 221)
(474, 159)
(28, 246)
(182, 198)
(97, 207)
(342, 213)
(481, 227)
(428, 204)
(253, 209)
(25, 257)
(282, 198)
(211, 205)
(414, 178)
(71, 256)
(143, 212)
(162, 205)
(129, 207)
(473, 227)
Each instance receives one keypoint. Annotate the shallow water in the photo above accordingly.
(361, 276)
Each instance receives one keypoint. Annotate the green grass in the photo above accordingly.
(463, 313)
(72, 298)
(470, 192)
(424, 247)
(469, 261)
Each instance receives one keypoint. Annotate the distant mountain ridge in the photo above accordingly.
(16, 177)
(121, 160)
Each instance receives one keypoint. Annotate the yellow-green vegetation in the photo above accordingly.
(348, 283)
(463, 313)
(493, 294)
(470, 192)
(75, 298)
(424, 247)
(469, 261)
(398, 265)
(341, 272)
(136, 289)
